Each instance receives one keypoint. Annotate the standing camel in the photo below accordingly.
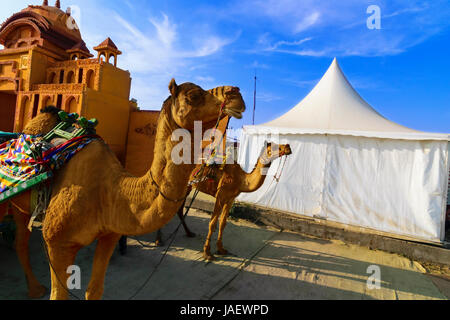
(20, 205)
(94, 197)
(226, 183)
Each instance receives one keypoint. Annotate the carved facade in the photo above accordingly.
(46, 62)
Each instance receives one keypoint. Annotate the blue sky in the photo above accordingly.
(402, 69)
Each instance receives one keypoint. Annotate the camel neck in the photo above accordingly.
(156, 196)
(255, 179)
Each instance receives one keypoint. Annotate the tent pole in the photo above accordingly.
(254, 101)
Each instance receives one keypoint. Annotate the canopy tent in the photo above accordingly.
(352, 165)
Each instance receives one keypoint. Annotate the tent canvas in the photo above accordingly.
(352, 165)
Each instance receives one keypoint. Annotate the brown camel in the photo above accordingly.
(226, 183)
(95, 198)
(20, 205)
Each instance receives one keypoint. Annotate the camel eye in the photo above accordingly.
(194, 98)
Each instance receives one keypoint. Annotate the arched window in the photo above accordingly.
(71, 77)
(22, 44)
(71, 105)
(109, 59)
(47, 101)
(52, 77)
(25, 113)
(90, 79)
(102, 57)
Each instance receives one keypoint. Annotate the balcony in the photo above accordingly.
(60, 88)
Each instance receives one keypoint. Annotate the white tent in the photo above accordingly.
(351, 165)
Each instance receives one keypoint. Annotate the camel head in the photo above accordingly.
(273, 151)
(44, 122)
(190, 103)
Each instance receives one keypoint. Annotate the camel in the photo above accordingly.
(94, 198)
(225, 184)
(20, 205)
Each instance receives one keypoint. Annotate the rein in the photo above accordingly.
(172, 236)
(222, 107)
(278, 172)
(212, 152)
(161, 193)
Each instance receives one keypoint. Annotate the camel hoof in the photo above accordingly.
(208, 257)
(37, 292)
(223, 252)
(190, 234)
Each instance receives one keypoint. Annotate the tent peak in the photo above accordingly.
(334, 105)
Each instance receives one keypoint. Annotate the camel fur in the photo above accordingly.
(228, 183)
(94, 198)
(20, 205)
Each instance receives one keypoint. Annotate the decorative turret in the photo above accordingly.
(58, 4)
(79, 51)
(107, 49)
(45, 3)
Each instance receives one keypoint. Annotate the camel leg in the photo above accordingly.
(189, 233)
(159, 241)
(223, 221)
(35, 289)
(212, 227)
(103, 252)
(61, 257)
(180, 213)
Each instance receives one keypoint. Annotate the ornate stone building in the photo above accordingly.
(46, 62)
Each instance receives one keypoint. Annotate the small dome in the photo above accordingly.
(53, 24)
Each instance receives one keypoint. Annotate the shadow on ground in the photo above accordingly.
(265, 264)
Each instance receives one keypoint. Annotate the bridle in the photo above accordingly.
(174, 103)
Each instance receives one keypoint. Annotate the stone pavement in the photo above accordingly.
(265, 264)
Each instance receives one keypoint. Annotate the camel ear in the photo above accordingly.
(173, 87)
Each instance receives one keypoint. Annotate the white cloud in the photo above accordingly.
(278, 44)
(339, 27)
(267, 96)
(307, 22)
(155, 49)
(258, 65)
(166, 30)
(204, 78)
(156, 52)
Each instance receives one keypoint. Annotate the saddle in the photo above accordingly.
(31, 161)
(34, 150)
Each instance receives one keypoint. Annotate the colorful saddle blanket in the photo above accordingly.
(21, 168)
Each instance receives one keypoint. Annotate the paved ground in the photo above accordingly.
(266, 264)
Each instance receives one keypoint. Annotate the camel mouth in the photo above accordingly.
(233, 113)
(288, 150)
